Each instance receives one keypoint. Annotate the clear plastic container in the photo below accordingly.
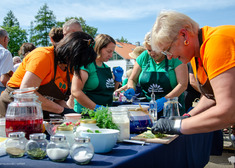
(120, 117)
(24, 113)
(86, 124)
(67, 131)
(36, 146)
(58, 148)
(82, 150)
(15, 144)
(171, 107)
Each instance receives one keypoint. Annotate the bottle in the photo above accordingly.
(120, 117)
(67, 131)
(24, 114)
(15, 144)
(82, 150)
(153, 106)
(86, 124)
(36, 146)
(58, 148)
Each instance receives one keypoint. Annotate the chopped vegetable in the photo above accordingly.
(102, 116)
(96, 131)
(149, 135)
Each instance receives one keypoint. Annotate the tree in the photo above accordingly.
(122, 40)
(45, 20)
(17, 35)
(92, 31)
(10, 20)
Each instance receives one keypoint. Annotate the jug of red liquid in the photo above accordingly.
(24, 114)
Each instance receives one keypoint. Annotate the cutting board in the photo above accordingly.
(165, 140)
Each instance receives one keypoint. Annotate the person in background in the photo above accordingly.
(24, 50)
(56, 34)
(212, 55)
(6, 61)
(168, 79)
(16, 60)
(134, 54)
(95, 85)
(192, 92)
(70, 26)
(47, 68)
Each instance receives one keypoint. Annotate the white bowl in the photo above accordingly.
(134, 107)
(102, 142)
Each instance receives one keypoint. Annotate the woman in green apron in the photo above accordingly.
(95, 85)
(167, 78)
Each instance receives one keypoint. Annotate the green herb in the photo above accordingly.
(36, 153)
(102, 116)
(97, 131)
(89, 131)
(149, 135)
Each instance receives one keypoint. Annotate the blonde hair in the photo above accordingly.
(101, 41)
(168, 25)
(147, 39)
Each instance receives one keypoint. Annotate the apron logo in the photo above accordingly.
(156, 88)
(110, 83)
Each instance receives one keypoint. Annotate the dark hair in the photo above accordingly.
(26, 48)
(56, 33)
(76, 50)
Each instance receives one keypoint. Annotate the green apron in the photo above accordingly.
(160, 82)
(103, 94)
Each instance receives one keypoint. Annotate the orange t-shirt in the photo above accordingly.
(41, 63)
(217, 51)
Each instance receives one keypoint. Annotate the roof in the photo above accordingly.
(123, 49)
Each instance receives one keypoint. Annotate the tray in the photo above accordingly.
(165, 140)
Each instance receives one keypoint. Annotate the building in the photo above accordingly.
(121, 56)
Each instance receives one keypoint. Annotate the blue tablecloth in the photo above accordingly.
(192, 151)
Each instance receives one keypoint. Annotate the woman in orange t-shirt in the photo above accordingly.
(51, 70)
(211, 51)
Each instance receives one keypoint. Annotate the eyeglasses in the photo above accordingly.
(167, 52)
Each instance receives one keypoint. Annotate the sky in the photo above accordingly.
(130, 19)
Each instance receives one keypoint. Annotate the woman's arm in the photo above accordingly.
(181, 72)
(32, 80)
(78, 94)
(193, 82)
(222, 114)
(133, 79)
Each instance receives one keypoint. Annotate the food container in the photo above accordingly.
(15, 144)
(86, 124)
(120, 117)
(2, 127)
(140, 119)
(82, 150)
(67, 131)
(24, 113)
(72, 117)
(36, 146)
(58, 148)
(52, 124)
(104, 140)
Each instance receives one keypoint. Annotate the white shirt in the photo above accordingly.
(6, 62)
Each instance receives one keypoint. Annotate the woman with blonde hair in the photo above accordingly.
(211, 51)
(167, 79)
(96, 85)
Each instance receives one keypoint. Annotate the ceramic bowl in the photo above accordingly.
(102, 142)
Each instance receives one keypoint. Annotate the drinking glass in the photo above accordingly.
(171, 107)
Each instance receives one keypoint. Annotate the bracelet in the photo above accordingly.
(186, 114)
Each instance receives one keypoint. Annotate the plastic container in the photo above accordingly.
(120, 117)
(15, 144)
(86, 124)
(58, 148)
(36, 146)
(72, 117)
(2, 127)
(140, 119)
(67, 131)
(24, 113)
(82, 150)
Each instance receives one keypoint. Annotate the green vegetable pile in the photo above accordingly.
(149, 135)
(102, 116)
(96, 131)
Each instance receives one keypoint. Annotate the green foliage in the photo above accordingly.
(45, 20)
(10, 20)
(92, 31)
(123, 40)
(102, 116)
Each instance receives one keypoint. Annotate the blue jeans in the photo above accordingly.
(2, 89)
